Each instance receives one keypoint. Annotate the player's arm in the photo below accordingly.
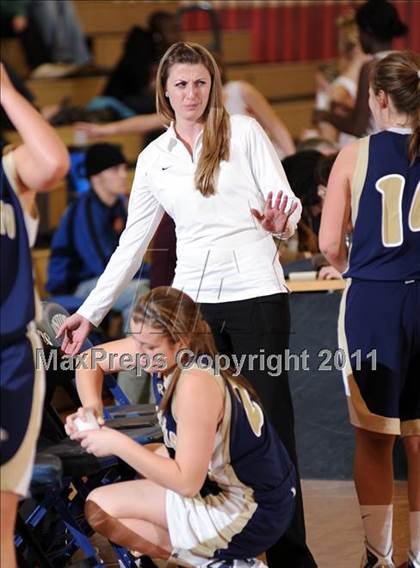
(109, 357)
(141, 124)
(198, 407)
(261, 109)
(42, 160)
(336, 210)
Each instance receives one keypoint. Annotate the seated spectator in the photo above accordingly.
(90, 229)
(130, 89)
(378, 24)
(50, 33)
(339, 92)
(62, 35)
(14, 22)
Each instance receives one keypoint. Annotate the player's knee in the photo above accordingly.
(374, 439)
(412, 447)
(96, 516)
(95, 513)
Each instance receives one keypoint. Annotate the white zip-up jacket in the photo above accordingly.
(223, 254)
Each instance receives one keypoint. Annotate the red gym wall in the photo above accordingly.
(299, 30)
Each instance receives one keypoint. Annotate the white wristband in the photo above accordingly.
(282, 236)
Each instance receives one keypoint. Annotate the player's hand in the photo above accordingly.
(74, 330)
(101, 443)
(274, 216)
(69, 425)
(329, 273)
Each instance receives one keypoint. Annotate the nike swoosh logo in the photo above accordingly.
(165, 168)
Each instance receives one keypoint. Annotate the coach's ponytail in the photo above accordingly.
(398, 75)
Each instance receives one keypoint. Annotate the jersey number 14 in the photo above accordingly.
(391, 188)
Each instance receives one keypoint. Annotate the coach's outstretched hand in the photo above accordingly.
(74, 330)
(274, 217)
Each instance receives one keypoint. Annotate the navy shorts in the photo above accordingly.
(22, 392)
(379, 331)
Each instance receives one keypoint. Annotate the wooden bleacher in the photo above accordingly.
(296, 115)
(278, 80)
(80, 90)
(236, 46)
(274, 80)
(116, 16)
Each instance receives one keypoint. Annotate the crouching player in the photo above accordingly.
(221, 490)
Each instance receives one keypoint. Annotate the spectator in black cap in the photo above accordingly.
(378, 23)
(90, 229)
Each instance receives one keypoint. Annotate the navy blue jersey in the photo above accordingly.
(247, 499)
(385, 211)
(17, 287)
(256, 453)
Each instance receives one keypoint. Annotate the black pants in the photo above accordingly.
(262, 326)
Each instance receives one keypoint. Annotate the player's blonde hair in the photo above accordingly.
(216, 135)
(178, 318)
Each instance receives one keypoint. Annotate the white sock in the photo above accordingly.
(415, 535)
(377, 522)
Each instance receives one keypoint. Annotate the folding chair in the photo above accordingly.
(124, 413)
(49, 500)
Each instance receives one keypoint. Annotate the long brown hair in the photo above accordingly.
(178, 318)
(216, 132)
(397, 75)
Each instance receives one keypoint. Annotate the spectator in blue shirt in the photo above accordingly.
(90, 229)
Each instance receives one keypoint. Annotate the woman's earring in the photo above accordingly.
(167, 95)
